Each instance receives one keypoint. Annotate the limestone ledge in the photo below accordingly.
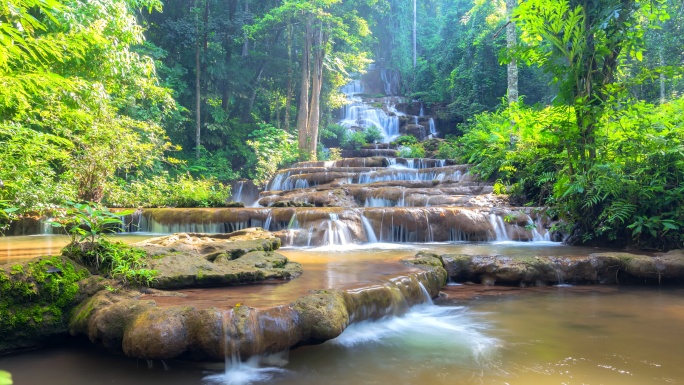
(125, 323)
(201, 260)
(603, 268)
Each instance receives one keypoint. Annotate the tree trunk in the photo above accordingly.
(314, 110)
(415, 34)
(245, 47)
(511, 40)
(303, 115)
(662, 76)
(198, 95)
(290, 88)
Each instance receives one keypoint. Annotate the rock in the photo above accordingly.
(36, 299)
(323, 315)
(125, 322)
(199, 260)
(621, 268)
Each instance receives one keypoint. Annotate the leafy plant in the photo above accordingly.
(412, 151)
(406, 140)
(113, 259)
(89, 222)
(373, 134)
(7, 214)
(5, 378)
(354, 140)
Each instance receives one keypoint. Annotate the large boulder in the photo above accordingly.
(623, 268)
(128, 322)
(36, 298)
(199, 260)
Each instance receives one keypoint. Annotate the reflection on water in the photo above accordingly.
(556, 336)
(17, 248)
(626, 336)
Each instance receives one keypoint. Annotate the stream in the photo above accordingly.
(568, 335)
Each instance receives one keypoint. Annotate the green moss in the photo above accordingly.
(36, 297)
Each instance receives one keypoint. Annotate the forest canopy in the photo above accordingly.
(144, 103)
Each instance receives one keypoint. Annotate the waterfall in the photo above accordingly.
(422, 110)
(370, 233)
(426, 295)
(337, 232)
(238, 196)
(433, 128)
(536, 235)
(357, 113)
(499, 227)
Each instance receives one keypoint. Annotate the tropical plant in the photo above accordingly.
(5, 378)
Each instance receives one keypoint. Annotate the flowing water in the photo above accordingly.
(574, 335)
(562, 336)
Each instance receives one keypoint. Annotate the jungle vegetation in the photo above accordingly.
(134, 103)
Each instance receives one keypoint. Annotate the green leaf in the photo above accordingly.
(5, 378)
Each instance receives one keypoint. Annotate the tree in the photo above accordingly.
(511, 41)
(581, 43)
(74, 90)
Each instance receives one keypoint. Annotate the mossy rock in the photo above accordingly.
(206, 260)
(36, 300)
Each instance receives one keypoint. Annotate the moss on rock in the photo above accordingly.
(36, 299)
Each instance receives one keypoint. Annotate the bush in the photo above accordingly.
(112, 259)
(354, 140)
(373, 135)
(405, 140)
(162, 191)
(412, 151)
(333, 135)
(448, 150)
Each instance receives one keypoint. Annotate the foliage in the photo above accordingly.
(36, 296)
(88, 221)
(447, 150)
(406, 140)
(7, 214)
(373, 134)
(633, 192)
(354, 140)
(77, 103)
(5, 378)
(114, 260)
(163, 191)
(273, 148)
(412, 151)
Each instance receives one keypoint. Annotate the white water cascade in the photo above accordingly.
(360, 114)
(433, 128)
(499, 227)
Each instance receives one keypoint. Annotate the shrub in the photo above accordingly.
(448, 150)
(406, 140)
(354, 140)
(163, 191)
(412, 151)
(373, 134)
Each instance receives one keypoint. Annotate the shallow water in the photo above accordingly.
(17, 248)
(574, 335)
(625, 336)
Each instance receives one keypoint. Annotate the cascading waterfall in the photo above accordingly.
(499, 227)
(337, 232)
(426, 295)
(536, 235)
(357, 113)
(412, 174)
(370, 233)
(433, 128)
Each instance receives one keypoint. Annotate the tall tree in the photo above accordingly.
(581, 43)
(511, 41)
